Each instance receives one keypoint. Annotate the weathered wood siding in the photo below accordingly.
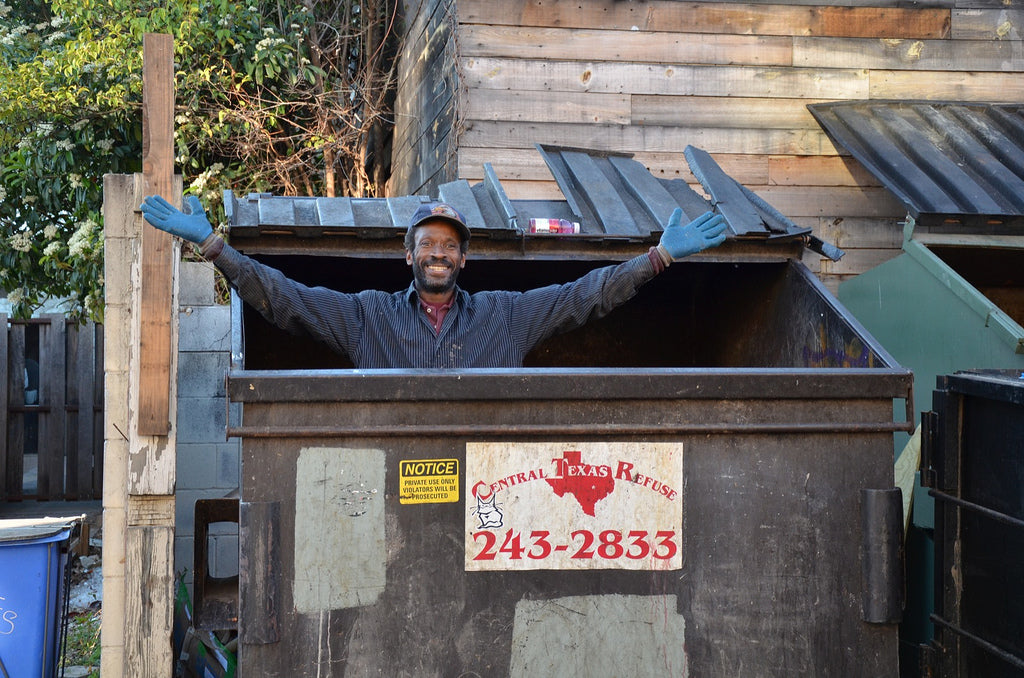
(733, 78)
(424, 151)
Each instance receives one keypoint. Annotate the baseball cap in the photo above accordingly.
(442, 211)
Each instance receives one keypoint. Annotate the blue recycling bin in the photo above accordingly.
(32, 561)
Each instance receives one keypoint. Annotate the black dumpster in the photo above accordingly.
(973, 462)
(700, 483)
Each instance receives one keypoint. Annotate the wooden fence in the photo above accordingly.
(51, 409)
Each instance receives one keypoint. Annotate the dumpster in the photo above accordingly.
(954, 298)
(33, 556)
(973, 465)
(700, 483)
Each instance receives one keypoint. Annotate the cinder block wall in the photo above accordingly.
(208, 463)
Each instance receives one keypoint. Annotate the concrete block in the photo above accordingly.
(195, 284)
(197, 466)
(183, 554)
(118, 187)
(115, 406)
(235, 414)
(201, 374)
(117, 255)
(117, 336)
(115, 473)
(185, 509)
(225, 556)
(204, 328)
(229, 467)
(201, 420)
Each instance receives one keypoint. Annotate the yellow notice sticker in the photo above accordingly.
(428, 481)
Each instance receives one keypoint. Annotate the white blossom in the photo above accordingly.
(3, 193)
(75, 180)
(50, 232)
(30, 199)
(20, 241)
(52, 249)
(16, 296)
(65, 145)
(105, 144)
(79, 243)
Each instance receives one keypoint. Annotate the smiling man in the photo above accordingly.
(433, 323)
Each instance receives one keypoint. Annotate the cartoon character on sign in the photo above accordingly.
(486, 508)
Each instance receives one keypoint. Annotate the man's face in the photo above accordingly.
(436, 258)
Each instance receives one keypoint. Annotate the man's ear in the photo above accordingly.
(463, 264)
(408, 257)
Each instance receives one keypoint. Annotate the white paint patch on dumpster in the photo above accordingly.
(339, 528)
(599, 636)
(574, 506)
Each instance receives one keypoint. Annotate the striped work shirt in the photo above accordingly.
(389, 330)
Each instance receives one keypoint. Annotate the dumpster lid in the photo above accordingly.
(24, 529)
(610, 195)
(959, 165)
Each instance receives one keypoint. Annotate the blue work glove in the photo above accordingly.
(191, 225)
(704, 232)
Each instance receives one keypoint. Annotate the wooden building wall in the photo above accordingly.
(732, 78)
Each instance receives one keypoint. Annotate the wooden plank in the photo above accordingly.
(718, 18)
(620, 139)
(15, 387)
(944, 85)
(832, 201)
(86, 378)
(853, 233)
(744, 168)
(569, 107)
(1000, 23)
(149, 598)
(433, 103)
(153, 417)
(53, 362)
(857, 261)
(789, 170)
(518, 42)
(259, 572)
(427, 161)
(5, 415)
(918, 55)
(426, 38)
(701, 111)
(675, 79)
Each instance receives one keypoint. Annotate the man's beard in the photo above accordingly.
(434, 286)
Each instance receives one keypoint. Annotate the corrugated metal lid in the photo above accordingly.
(947, 161)
(610, 195)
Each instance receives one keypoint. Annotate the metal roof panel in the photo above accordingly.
(611, 195)
(946, 161)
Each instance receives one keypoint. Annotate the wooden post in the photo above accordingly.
(157, 173)
(140, 359)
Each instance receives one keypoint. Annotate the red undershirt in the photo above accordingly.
(436, 312)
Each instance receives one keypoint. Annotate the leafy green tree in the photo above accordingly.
(288, 96)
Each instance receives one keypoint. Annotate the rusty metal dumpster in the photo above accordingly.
(692, 486)
(973, 463)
